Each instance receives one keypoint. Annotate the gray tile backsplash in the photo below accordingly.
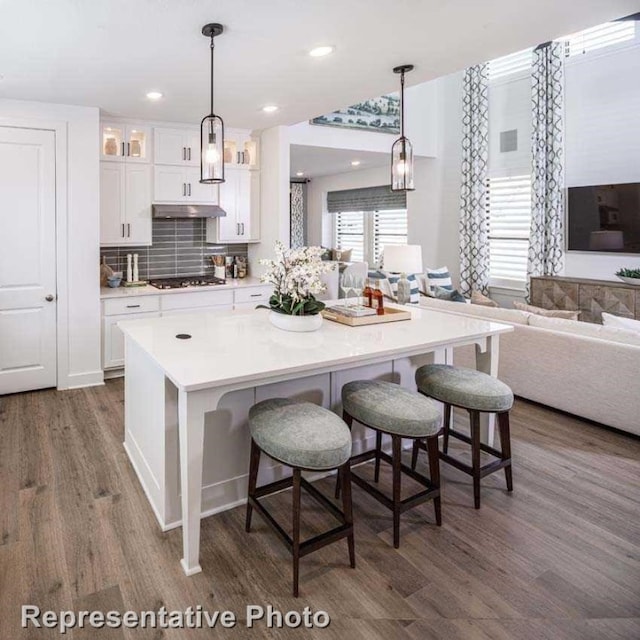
(178, 249)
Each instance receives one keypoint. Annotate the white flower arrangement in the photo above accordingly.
(295, 275)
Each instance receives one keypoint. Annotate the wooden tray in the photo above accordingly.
(390, 315)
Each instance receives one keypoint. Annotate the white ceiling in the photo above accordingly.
(109, 53)
(323, 161)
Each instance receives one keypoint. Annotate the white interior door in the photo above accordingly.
(27, 260)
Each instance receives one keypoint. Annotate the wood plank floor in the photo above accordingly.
(557, 559)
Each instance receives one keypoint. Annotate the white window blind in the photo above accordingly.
(604, 35)
(366, 233)
(350, 233)
(508, 207)
(390, 228)
(519, 62)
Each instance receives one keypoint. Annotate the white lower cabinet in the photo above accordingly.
(115, 310)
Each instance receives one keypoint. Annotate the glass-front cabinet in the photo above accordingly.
(241, 151)
(125, 142)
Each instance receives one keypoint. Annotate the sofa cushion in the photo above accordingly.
(437, 278)
(549, 313)
(612, 334)
(618, 322)
(449, 294)
(477, 297)
(512, 316)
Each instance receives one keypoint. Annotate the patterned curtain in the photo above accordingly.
(297, 215)
(546, 248)
(474, 244)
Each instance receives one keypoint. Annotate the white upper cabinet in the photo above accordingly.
(240, 198)
(125, 204)
(125, 143)
(240, 150)
(182, 184)
(176, 146)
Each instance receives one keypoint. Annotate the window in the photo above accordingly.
(508, 207)
(604, 35)
(519, 62)
(367, 232)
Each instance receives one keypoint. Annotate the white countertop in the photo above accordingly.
(124, 292)
(233, 347)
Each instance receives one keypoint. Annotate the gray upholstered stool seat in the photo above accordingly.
(466, 388)
(391, 408)
(300, 434)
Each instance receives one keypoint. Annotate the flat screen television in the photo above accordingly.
(604, 217)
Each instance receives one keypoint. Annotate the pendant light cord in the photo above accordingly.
(402, 105)
(212, 47)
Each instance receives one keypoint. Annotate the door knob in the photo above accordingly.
(49, 298)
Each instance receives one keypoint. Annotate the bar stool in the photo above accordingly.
(302, 436)
(389, 408)
(478, 393)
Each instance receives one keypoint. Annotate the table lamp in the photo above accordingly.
(403, 259)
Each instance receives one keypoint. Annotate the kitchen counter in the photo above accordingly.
(191, 379)
(148, 290)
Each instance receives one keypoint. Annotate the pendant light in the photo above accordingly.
(402, 151)
(212, 128)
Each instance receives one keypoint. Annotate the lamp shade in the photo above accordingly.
(211, 150)
(608, 240)
(403, 258)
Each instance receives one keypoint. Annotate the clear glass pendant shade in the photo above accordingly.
(212, 150)
(402, 165)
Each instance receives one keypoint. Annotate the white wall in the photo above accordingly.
(420, 123)
(78, 270)
(274, 195)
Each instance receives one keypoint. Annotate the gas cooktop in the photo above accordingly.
(183, 282)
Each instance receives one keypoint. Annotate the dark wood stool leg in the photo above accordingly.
(414, 453)
(445, 428)
(254, 464)
(376, 473)
(347, 508)
(396, 452)
(296, 531)
(475, 455)
(349, 420)
(434, 473)
(505, 446)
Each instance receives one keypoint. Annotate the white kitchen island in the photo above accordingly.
(187, 399)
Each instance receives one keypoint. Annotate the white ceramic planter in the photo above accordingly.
(298, 324)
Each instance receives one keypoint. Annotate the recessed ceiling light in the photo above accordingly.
(154, 95)
(270, 108)
(319, 52)
(299, 174)
(355, 163)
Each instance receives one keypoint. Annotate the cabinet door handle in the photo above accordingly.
(123, 149)
(184, 188)
(242, 228)
(188, 153)
(128, 230)
(133, 306)
(128, 149)
(184, 153)
(256, 295)
(122, 230)
(189, 188)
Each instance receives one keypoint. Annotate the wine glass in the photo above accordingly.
(357, 286)
(347, 286)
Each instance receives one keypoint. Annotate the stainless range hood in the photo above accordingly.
(188, 211)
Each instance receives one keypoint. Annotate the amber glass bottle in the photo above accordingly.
(377, 300)
(367, 294)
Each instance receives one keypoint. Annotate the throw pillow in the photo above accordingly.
(618, 322)
(477, 297)
(447, 294)
(547, 313)
(414, 286)
(341, 255)
(438, 278)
